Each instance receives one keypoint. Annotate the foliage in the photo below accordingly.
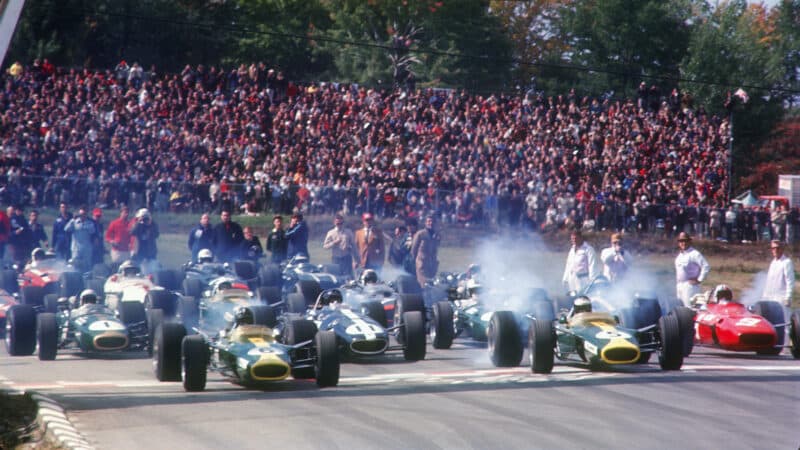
(626, 41)
(780, 154)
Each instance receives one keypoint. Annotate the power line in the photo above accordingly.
(435, 52)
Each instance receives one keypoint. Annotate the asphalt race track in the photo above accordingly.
(454, 399)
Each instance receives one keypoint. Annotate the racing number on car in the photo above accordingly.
(748, 321)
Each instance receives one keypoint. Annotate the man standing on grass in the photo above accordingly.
(691, 268)
(780, 278)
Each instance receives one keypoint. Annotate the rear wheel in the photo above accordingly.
(155, 317)
(245, 270)
(541, 345)
(407, 284)
(310, 290)
(263, 315)
(505, 342)
(162, 299)
(190, 313)
(47, 335)
(8, 278)
(442, 327)
(773, 313)
(192, 287)
(20, 330)
(670, 356)
(101, 271)
(166, 279)
(32, 295)
(326, 367)
(296, 303)
(167, 351)
(51, 303)
(71, 284)
(298, 331)
(794, 334)
(194, 358)
(131, 313)
(98, 286)
(270, 275)
(413, 326)
(374, 310)
(269, 295)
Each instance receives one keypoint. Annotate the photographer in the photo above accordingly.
(83, 232)
(616, 260)
(146, 233)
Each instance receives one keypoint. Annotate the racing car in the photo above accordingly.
(89, 326)
(719, 321)
(297, 276)
(596, 339)
(44, 275)
(359, 331)
(198, 276)
(246, 352)
(6, 302)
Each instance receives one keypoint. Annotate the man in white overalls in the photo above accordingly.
(581, 266)
(691, 268)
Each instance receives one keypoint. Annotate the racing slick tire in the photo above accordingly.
(168, 279)
(101, 271)
(686, 321)
(32, 295)
(505, 342)
(167, 351)
(670, 355)
(51, 303)
(192, 287)
(246, 270)
(541, 345)
(155, 317)
(268, 295)
(99, 288)
(264, 315)
(326, 366)
(543, 310)
(270, 276)
(47, 336)
(773, 313)
(406, 303)
(374, 310)
(20, 330)
(309, 289)
(190, 313)
(163, 300)
(794, 334)
(71, 284)
(296, 303)
(52, 288)
(407, 284)
(413, 331)
(131, 313)
(8, 278)
(442, 329)
(297, 331)
(194, 363)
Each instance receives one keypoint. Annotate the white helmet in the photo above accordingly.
(129, 269)
(142, 213)
(205, 255)
(88, 296)
(581, 304)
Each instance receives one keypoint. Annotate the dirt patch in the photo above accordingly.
(17, 419)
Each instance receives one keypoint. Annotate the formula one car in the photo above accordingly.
(358, 330)
(369, 290)
(720, 322)
(45, 275)
(596, 339)
(298, 276)
(90, 327)
(198, 276)
(246, 352)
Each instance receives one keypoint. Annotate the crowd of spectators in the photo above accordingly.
(248, 139)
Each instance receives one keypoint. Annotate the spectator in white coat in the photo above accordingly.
(616, 261)
(691, 268)
(780, 278)
(581, 267)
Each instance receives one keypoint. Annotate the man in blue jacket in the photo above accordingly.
(297, 234)
(201, 236)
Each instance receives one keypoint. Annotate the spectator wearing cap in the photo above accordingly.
(61, 238)
(581, 266)
(277, 244)
(780, 277)
(97, 245)
(297, 237)
(691, 268)
(201, 236)
(369, 241)
(425, 251)
(341, 242)
(616, 261)
(145, 230)
(83, 232)
(118, 236)
(228, 237)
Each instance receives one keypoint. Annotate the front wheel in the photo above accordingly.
(794, 334)
(505, 342)
(442, 328)
(670, 356)
(47, 335)
(541, 346)
(20, 330)
(167, 351)
(326, 367)
(194, 363)
(413, 327)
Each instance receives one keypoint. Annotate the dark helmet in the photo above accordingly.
(88, 296)
(473, 269)
(243, 316)
(581, 304)
(722, 292)
(330, 296)
(38, 254)
(369, 276)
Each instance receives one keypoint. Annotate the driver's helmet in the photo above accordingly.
(143, 213)
(38, 254)
(330, 296)
(205, 256)
(722, 292)
(88, 297)
(581, 304)
(129, 269)
(300, 259)
(224, 285)
(369, 276)
(473, 270)
(474, 286)
(243, 316)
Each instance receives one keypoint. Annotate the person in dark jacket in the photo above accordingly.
(251, 249)
(18, 238)
(62, 239)
(145, 230)
(201, 236)
(36, 233)
(277, 244)
(297, 234)
(228, 237)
